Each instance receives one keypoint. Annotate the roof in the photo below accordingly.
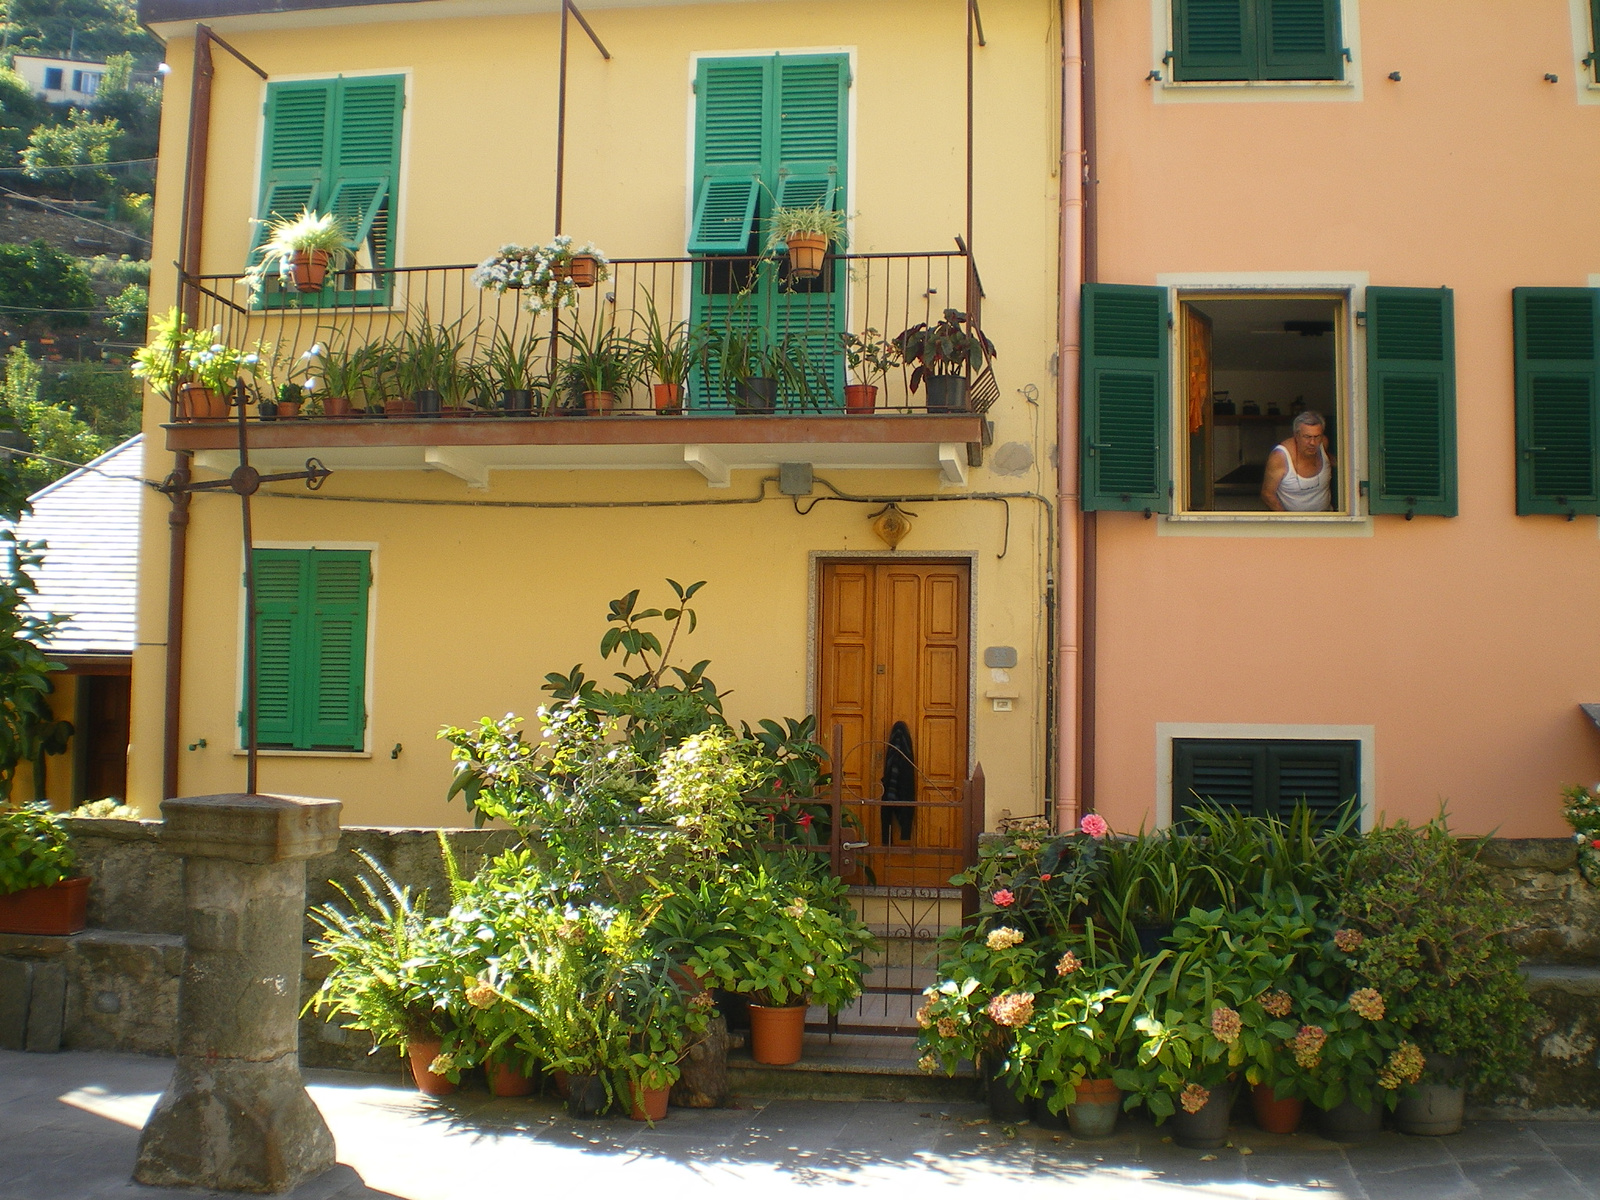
(89, 522)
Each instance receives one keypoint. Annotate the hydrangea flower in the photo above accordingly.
(1225, 1025)
(1194, 1098)
(1368, 1003)
(480, 995)
(947, 1027)
(1276, 1004)
(1307, 1046)
(1011, 1009)
(1348, 940)
(1404, 1066)
(1003, 938)
(1067, 963)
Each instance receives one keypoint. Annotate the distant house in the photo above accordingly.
(60, 80)
(89, 522)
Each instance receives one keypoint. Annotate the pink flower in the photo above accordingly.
(1003, 898)
(1095, 826)
(1595, 843)
(1045, 878)
(805, 820)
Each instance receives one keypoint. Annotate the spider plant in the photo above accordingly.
(513, 365)
(668, 352)
(602, 360)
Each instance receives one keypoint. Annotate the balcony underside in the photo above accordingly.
(712, 445)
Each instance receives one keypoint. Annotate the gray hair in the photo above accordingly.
(1310, 417)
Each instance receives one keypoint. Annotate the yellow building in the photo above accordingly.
(455, 557)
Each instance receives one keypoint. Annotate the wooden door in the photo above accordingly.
(107, 702)
(893, 646)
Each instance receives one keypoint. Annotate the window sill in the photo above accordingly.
(239, 752)
(1260, 89)
(1264, 525)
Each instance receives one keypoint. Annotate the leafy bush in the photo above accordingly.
(39, 280)
(34, 849)
(78, 145)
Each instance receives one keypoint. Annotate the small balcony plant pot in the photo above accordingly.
(455, 412)
(860, 398)
(267, 410)
(1431, 1109)
(1208, 1128)
(1005, 1104)
(506, 1079)
(647, 1104)
(399, 406)
(428, 401)
(668, 398)
(288, 410)
(1094, 1109)
(1043, 1116)
(1347, 1122)
(583, 270)
(755, 396)
(310, 269)
(599, 402)
(517, 401)
(54, 911)
(1151, 938)
(1275, 1113)
(421, 1053)
(586, 1096)
(806, 254)
(336, 407)
(946, 393)
(199, 403)
(689, 981)
(777, 1034)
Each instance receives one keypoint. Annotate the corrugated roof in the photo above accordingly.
(89, 522)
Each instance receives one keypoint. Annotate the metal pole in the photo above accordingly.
(250, 665)
(177, 560)
(194, 180)
(561, 120)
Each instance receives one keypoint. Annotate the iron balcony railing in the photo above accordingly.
(425, 341)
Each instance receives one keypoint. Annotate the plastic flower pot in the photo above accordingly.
(777, 1035)
(757, 395)
(1004, 1103)
(421, 1053)
(427, 401)
(668, 397)
(806, 254)
(860, 398)
(586, 1096)
(1043, 1117)
(1275, 1113)
(1151, 938)
(946, 393)
(310, 269)
(506, 1079)
(647, 1104)
(55, 911)
(1346, 1122)
(196, 402)
(336, 406)
(517, 401)
(1094, 1108)
(1431, 1109)
(1208, 1128)
(599, 402)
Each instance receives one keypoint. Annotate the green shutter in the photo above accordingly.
(1218, 774)
(366, 158)
(294, 159)
(1593, 59)
(1557, 338)
(1214, 39)
(1265, 777)
(804, 191)
(1324, 776)
(336, 673)
(1300, 39)
(724, 215)
(1126, 396)
(1411, 400)
(278, 582)
(357, 202)
(732, 143)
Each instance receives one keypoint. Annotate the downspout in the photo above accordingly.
(190, 239)
(1089, 618)
(1071, 174)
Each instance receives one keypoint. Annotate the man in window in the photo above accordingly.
(1299, 474)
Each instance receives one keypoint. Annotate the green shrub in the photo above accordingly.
(39, 281)
(34, 849)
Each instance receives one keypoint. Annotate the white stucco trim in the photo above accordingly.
(1166, 91)
(1166, 731)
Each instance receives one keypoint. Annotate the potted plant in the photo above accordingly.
(601, 363)
(805, 233)
(211, 369)
(159, 362)
(870, 357)
(583, 267)
(426, 364)
(941, 355)
(300, 250)
(512, 268)
(38, 892)
(663, 1025)
(668, 352)
(1068, 1054)
(513, 370)
(340, 376)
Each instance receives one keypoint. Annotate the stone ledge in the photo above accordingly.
(1529, 854)
(1575, 979)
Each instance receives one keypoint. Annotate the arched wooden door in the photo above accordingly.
(893, 645)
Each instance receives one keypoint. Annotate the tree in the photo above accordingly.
(19, 112)
(97, 28)
(53, 430)
(130, 311)
(38, 280)
(82, 141)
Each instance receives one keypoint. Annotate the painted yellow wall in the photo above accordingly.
(1467, 643)
(473, 607)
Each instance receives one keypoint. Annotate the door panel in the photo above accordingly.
(893, 646)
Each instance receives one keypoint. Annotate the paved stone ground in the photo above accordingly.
(69, 1124)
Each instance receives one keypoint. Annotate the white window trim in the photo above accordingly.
(368, 692)
(1165, 90)
(1351, 287)
(1583, 40)
(1168, 731)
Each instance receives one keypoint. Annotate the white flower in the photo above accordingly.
(250, 360)
(311, 385)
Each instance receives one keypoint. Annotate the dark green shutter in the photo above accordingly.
(278, 630)
(1126, 398)
(1265, 777)
(1411, 400)
(1218, 774)
(1557, 338)
(732, 141)
(1592, 61)
(1324, 776)
(336, 672)
(295, 164)
(1300, 39)
(1214, 39)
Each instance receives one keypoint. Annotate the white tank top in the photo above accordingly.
(1297, 493)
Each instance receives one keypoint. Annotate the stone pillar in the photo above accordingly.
(236, 1116)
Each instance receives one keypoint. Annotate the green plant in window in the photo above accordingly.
(292, 238)
(811, 220)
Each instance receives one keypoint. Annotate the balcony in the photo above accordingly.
(384, 333)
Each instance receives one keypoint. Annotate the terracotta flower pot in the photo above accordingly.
(599, 402)
(583, 270)
(506, 1079)
(668, 397)
(310, 269)
(647, 1104)
(1094, 1108)
(806, 254)
(288, 410)
(336, 406)
(197, 402)
(455, 412)
(421, 1054)
(860, 398)
(690, 982)
(399, 406)
(1274, 1113)
(55, 911)
(777, 1035)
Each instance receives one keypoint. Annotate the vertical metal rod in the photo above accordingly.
(177, 561)
(250, 665)
(561, 119)
(836, 769)
(972, 288)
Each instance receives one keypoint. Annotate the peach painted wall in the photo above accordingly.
(1465, 643)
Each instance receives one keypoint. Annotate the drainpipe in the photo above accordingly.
(1069, 352)
(1089, 618)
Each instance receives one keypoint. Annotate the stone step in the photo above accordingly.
(845, 1067)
